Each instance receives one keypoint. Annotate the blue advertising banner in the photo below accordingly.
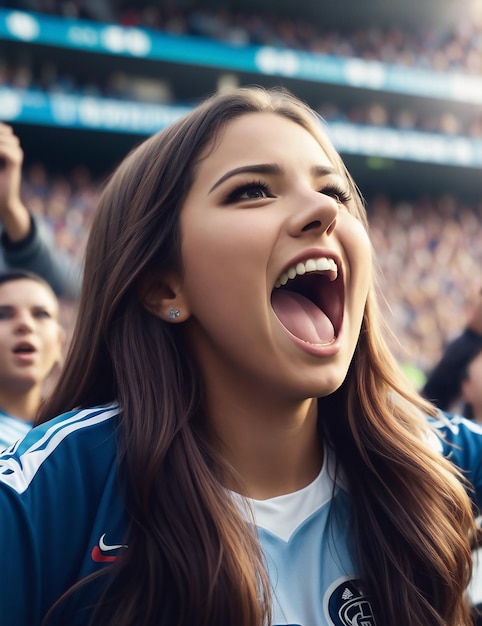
(120, 116)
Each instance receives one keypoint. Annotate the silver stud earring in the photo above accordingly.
(173, 313)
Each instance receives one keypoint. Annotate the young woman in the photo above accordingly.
(31, 341)
(235, 443)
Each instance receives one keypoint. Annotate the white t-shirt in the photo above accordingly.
(307, 543)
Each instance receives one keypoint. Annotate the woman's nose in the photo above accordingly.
(23, 323)
(316, 214)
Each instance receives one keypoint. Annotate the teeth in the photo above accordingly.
(323, 264)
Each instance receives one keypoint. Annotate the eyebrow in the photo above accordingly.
(10, 308)
(269, 168)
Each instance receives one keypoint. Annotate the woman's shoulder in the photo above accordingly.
(460, 440)
(61, 509)
(82, 441)
(454, 427)
(12, 429)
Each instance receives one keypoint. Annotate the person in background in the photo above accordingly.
(443, 386)
(471, 388)
(457, 380)
(24, 243)
(31, 341)
(230, 441)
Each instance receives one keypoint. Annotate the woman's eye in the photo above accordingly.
(337, 193)
(6, 313)
(41, 314)
(251, 191)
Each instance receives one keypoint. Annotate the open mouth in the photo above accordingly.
(308, 300)
(23, 348)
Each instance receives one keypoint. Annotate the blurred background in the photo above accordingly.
(399, 85)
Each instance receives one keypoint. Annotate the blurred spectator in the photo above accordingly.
(459, 372)
(472, 388)
(24, 243)
(31, 340)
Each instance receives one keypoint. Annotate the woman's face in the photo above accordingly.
(276, 269)
(30, 334)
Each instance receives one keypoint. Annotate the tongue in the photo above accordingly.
(301, 317)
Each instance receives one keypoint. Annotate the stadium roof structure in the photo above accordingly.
(349, 13)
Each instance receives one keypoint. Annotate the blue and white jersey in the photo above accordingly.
(11, 429)
(61, 514)
(461, 442)
(62, 518)
(307, 543)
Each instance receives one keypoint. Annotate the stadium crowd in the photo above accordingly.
(427, 250)
(456, 49)
(33, 73)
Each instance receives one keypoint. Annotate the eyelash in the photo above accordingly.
(254, 185)
(339, 194)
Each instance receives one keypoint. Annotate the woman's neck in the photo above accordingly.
(23, 405)
(477, 414)
(273, 452)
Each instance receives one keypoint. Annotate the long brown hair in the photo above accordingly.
(194, 560)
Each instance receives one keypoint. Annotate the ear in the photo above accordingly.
(162, 295)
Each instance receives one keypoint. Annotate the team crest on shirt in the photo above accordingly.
(347, 606)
